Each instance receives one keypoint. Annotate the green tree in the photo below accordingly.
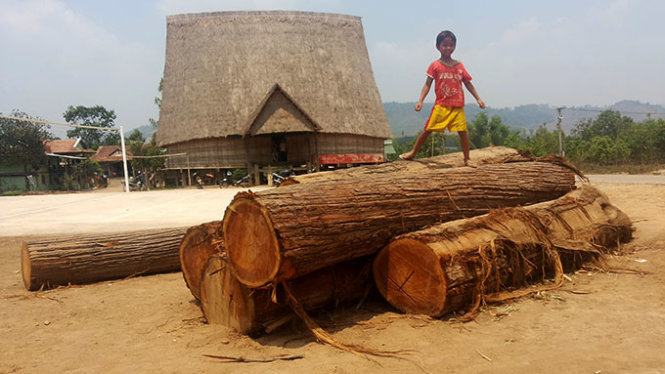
(608, 123)
(111, 138)
(135, 141)
(659, 139)
(90, 116)
(498, 131)
(479, 131)
(158, 101)
(22, 142)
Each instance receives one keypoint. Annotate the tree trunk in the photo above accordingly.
(489, 155)
(197, 245)
(290, 231)
(63, 260)
(228, 302)
(440, 269)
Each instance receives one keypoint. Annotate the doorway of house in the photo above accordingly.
(279, 153)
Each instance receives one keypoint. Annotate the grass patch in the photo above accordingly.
(590, 168)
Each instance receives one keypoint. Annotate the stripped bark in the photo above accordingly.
(287, 232)
(488, 155)
(228, 302)
(442, 269)
(197, 245)
(62, 260)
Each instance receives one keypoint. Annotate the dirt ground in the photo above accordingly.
(599, 322)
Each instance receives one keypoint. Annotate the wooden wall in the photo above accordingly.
(234, 151)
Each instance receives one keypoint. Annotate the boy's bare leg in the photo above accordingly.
(464, 140)
(416, 147)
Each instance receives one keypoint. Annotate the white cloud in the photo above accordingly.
(520, 32)
(399, 68)
(59, 57)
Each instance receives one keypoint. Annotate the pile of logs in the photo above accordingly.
(433, 236)
(440, 238)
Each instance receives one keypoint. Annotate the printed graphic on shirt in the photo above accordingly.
(448, 83)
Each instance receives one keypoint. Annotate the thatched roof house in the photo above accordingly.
(240, 86)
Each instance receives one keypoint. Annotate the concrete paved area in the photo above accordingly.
(112, 211)
(119, 211)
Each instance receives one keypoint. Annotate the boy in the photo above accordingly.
(448, 112)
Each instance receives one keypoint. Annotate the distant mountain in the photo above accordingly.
(146, 131)
(403, 120)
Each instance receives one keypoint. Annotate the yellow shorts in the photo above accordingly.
(443, 118)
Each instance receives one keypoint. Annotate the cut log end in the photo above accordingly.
(26, 267)
(251, 242)
(408, 275)
(225, 301)
(197, 245)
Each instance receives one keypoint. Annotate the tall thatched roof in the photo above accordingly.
(223, 70)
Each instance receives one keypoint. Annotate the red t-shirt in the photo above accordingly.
(448, 83)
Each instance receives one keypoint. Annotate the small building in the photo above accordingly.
(63, 156)
(15, 177)
(109, 157)
(269, 88)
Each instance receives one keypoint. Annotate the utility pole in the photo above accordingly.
(559, 130)
(124, 158)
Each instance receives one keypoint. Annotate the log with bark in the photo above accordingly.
(448, 267)
(62, 260)
(198, 244)
(291, 231)
(226, 301)
(488, 155)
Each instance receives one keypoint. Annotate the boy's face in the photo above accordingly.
(446, 47)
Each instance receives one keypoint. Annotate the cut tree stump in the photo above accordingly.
(197, 245)
(488, 155)
(228, 302)
(443, 268)
(63, 260)
(291, 231)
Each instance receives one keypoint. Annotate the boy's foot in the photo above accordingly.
(406, 156)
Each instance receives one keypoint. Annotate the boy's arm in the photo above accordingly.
(469, 86)
(423, 93)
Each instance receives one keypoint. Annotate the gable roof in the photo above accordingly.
(64, 146)
(110, 153)
(219, 67)
(278, 113)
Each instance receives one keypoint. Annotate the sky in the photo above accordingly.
(56, 53)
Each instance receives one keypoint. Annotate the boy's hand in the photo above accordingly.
(419, 105)
(481, 104)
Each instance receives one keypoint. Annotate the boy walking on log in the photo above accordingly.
(448, 112)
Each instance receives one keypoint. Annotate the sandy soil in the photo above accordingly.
(600, 322)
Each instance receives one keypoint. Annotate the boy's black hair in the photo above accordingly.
(445, 34)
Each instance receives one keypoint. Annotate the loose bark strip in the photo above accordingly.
(228, 302)
(447, 267)
(290, 231)
(488, 155)
(62, 260)
(197, 245)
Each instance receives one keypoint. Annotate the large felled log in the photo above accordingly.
(228, 302)
(197, 245)
(63, 260)
(291, 231)
(481, 156)
(441, 269)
